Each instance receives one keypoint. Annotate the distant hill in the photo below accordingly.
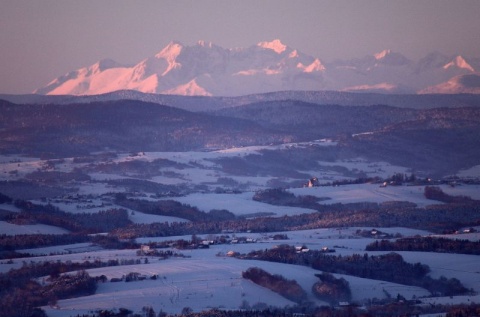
(314, 121)
(202, 103)
(437, 140)
(76, 129)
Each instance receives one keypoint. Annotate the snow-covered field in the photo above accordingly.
(15, 167)
(207, 278)
(374, 193)
(203, 279)
(471, 172)
(242, 204)
(202, 284)
(12, 229)
(239, 204)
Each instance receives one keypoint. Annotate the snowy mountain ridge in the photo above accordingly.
(209, 70)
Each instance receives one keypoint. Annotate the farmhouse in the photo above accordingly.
(312, 182)
(146, 250)
(302, 248)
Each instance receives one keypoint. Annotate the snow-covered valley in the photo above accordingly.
(202, 279)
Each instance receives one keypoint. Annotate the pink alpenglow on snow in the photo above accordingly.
(206, 69)
(276, 45)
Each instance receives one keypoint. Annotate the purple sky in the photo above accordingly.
(43, 39)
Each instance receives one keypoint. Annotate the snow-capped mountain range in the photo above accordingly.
(210, 70)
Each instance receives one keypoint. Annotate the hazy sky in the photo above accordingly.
(43, 39)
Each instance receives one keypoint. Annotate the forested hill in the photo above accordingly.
(440, 141)
(65, 130)
(313, 120)
(202, 103)
(335, 119)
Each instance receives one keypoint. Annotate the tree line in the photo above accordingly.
(102, 221)
(172, 208)
(9, 244)
(392, 309)
(20, 293)
(437, 218)
(289, 289)
(386, 267)
(332, 289)
(23, 297)
(436, 193)
(427, 244)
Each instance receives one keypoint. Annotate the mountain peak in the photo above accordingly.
(276, 45)
(204, 43)
(388, 57)
(315, 66)
(171, 51)
(207, 69)
(192, 88)
(293, 54)
(382, 54)
(459, 62)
